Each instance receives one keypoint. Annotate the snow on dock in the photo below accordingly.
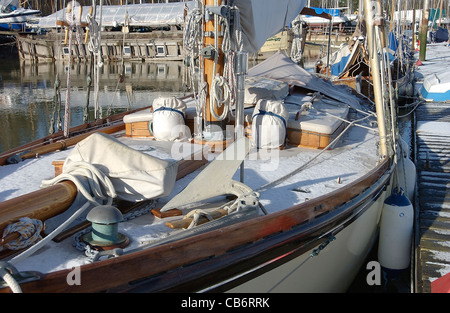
(432, 239)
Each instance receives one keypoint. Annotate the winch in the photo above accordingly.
(105, 234)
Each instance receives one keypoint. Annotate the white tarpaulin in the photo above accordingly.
(280, 66)
(147, 14)
(262, 19)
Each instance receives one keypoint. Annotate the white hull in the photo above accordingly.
(334, 268)
(18, 16)
(318, 21)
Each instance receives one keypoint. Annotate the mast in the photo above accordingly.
(423, 30)
(369, 12)
(213, 57)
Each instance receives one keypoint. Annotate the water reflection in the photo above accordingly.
(27, 92)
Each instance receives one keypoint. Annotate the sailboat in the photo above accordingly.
(274, 183)
(13, 17)
(350, 64)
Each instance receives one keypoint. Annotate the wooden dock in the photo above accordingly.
(432, 232)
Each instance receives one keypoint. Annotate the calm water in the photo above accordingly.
(27, 92)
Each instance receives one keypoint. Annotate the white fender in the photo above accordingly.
(396, 229)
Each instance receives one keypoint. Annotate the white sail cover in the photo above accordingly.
(280, 66)
(262, 19)
(135, 176)
(146, 14)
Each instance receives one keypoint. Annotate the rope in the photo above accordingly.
(97, 182)
(196, 214)
(219, 97)
(172, 110)
(101, 187)
(5, 274)
(29, 230)
(296, 49)
(262, 113)
(50, 236)
(192, 29)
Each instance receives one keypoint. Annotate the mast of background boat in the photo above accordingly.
(70, 17)
(329, 46)
(98, 61)
(413, 43)
(423, 32)
(375, 65)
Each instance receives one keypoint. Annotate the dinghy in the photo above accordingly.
(273, 183)
(436, 87)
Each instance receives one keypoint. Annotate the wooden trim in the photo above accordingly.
(205, 248)
(41, 204)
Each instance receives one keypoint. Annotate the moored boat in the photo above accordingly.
(14, 17)
(301, 213)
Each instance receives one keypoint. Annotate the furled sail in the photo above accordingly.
(262, 19)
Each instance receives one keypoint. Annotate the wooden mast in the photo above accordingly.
(423, 30)
(210, 40)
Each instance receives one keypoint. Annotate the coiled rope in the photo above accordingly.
(100, 190)
(29, 230)
(219, 97)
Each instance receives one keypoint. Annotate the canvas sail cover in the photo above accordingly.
(135, 176)
(262, 19)
(280, 66)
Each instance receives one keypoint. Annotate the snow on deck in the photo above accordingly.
(354, 155)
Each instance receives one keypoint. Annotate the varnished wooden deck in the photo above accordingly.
(432, 236)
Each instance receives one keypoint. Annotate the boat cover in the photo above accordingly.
(13, 4)
(136, 176)
(168, 122)
(269, 124)
(436, 87)
(146, 14)
(257, 88)
(280, 66)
